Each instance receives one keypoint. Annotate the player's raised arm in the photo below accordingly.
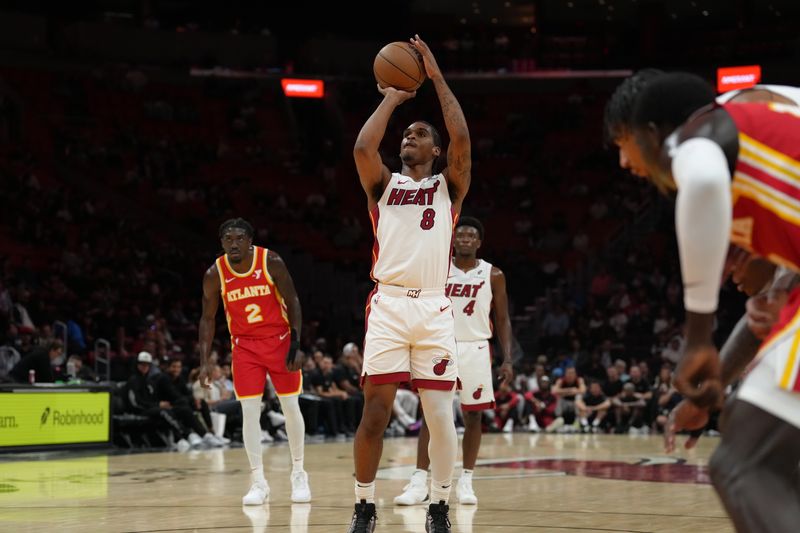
(371, 171)
(211, 288)
(283, 281)
(459, 152)
(502, 321)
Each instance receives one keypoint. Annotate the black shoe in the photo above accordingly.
(364, 518)
(437, 520)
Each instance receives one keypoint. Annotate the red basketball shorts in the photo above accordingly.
(253, 358)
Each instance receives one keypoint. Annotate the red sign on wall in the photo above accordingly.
(303, 88)
(732, 78)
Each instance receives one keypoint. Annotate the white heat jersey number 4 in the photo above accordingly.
(471, 293)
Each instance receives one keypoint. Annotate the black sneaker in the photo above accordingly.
(364, 518)
(437, 520)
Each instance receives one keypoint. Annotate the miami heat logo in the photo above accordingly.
(477, 394)
(440, 364)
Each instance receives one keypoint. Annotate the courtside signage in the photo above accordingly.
(732, 78)
(303, 88)
(31, 419)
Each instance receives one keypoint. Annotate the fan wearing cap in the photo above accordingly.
(141, 399)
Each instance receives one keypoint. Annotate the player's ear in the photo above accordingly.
(437, 151)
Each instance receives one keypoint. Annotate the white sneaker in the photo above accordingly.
(509, 427)
(183, 445)
(416, 492)
(555, 425)
(195, 439)
(301, 493)
(280, 434)
(276, 419)
(266, 437)
(533, 426)
(211, 440)
(258, 494)
(464, 492)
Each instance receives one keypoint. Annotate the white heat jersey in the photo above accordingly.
(413, 225)
(471, 293)
(787, 91)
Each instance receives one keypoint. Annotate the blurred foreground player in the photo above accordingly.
(736, 169)
(477, 288)
(264, 319)
(409, 320)
(765, 284)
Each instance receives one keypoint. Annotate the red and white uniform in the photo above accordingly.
(471, 293)
(766, 221)
(259, 328)
(409, 320)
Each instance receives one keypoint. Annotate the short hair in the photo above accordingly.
(471, 222)
(55, 344)
(670, 99)
(239, 223)
(619, 108)
(437, 138)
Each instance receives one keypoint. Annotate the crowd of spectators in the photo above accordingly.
(113, 191)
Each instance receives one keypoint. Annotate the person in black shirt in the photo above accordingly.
(347, 375)
(324, 383)
(39, 360)
(629, 410)
(592, 407)
(173, 393)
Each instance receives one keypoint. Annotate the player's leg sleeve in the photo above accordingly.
(438, 408)
(295, 428)
(251, 433)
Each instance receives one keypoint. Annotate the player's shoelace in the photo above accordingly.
(439, 519)
(362, 518)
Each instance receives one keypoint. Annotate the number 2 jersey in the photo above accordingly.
(471, 293)
(413, 225)
(766, 181)
(253, 306)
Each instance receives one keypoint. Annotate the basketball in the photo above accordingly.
(399, 65)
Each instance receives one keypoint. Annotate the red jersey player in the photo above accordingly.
(264, 320)
(736, 169)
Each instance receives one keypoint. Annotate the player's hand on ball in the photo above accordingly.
(396, 94)
(431, 66)
(685, 416)
(697, 377)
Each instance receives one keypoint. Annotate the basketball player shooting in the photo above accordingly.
(478, 290)
(264, 320)
(735, 169)
(410, 324)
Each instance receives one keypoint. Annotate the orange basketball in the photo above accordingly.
(399, 65)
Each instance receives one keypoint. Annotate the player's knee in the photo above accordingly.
(472, 418)
(375, 418)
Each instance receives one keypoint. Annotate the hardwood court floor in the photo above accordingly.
(524, 483)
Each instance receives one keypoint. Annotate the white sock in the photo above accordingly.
(467, 474)
(443, 446)
(251, 434)
(295, 429)
(365, 491)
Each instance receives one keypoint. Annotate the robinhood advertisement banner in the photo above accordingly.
(53, 417)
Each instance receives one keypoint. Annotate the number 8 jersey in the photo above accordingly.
(471, 293)
(253, 306)
(413, 225)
